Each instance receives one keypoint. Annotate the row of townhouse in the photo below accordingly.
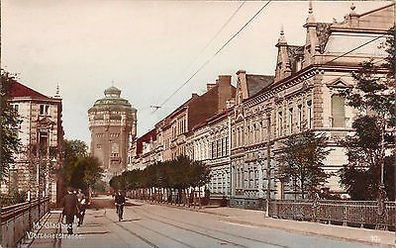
(241, 135)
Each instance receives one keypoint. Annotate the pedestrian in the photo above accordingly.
(80, 195)
(119, 202)
(82, 206)
(70, 209)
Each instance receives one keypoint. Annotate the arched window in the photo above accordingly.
(338, 111)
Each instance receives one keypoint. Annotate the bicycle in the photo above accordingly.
(120, 211)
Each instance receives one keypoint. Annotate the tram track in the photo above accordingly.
(223, 240)
(214, 230)
(151, 244)
(164, 235)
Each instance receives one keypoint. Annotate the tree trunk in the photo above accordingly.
(185, 197)
(199, 196)
(194, 197)
(302, 187)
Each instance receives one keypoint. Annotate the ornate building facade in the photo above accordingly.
(210, 143)
(112, 122)
(305, 94)
(171, 136)
(41, 135)
(241, 141)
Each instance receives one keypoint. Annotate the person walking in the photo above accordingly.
(70, 209)
(82, 206)
(119, 203)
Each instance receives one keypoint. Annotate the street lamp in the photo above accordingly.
(267, 211)
(261, 166)
(38, 178)
(381, 189)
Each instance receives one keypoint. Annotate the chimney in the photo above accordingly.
(225, 91)
(242, 91)
(210, 86)
(241, 72)
(224, 80)
(353, 17)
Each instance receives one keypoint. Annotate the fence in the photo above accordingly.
(247, 203)
(17, 219)
(355, 213)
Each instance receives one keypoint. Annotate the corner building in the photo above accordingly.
(41, 136)
(112, 122)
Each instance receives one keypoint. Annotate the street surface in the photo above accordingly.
(146, 225)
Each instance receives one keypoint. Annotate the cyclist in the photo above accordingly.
(119, 203)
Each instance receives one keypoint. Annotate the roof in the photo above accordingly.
(185, 104)
(112, 100)
(377, 19)
(112, 92)
(199, 125)
(376, 10)
(19, 90)
(150, 135)
(256, 83)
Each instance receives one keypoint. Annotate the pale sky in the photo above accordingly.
(149, 48)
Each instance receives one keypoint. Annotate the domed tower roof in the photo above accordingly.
(112, 101)
(112, 92)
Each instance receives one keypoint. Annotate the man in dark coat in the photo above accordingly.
(70, 208)
(119, 202)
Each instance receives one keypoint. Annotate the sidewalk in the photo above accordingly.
(257, 218)
(42, 236)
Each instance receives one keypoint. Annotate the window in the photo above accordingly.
(237, 138)
(44, 109)
(226, 145)
(115, 149)
(219, 148)
(99, 135)
(280, 123)
(223, 147)
(338, 111)
(309, 113)
(99, 146)
(290, 120)
(15, 107)
(300, 115)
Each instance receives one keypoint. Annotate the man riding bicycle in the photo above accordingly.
(119, 203)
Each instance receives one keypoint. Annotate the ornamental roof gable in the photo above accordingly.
(338, 83)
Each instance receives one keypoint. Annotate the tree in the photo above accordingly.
(178, 174)
(73, 150)
(80, 170)
(301, 160)
(371, 148)
(117, 182)
(9, 126)
(86, 172)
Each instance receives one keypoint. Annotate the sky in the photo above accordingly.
(145, 48)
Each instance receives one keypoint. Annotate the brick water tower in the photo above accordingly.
(112, 122)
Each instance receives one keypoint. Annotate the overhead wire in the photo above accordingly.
(236, 34)
(216, 35)
(215, 54)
